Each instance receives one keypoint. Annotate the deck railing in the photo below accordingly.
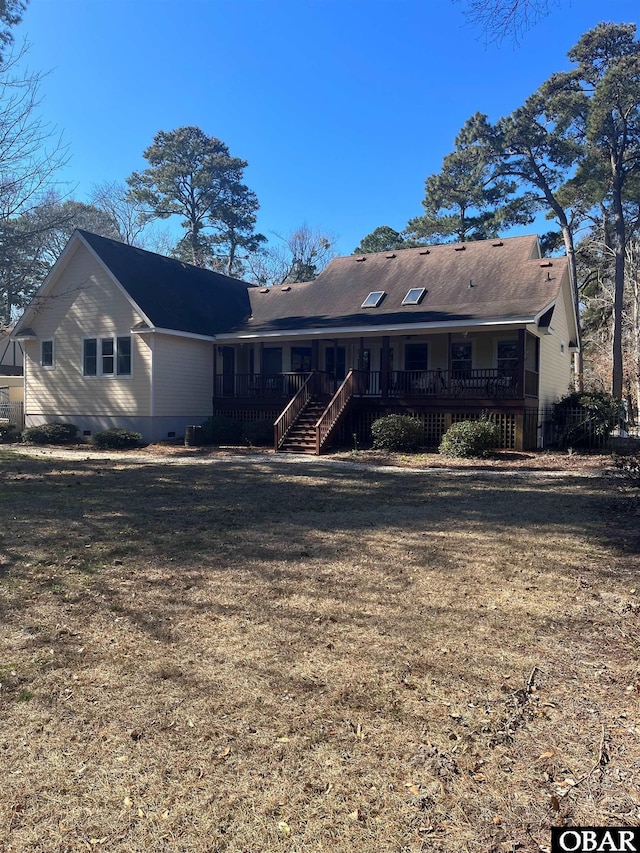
(12, 413)
(486, 384)
(293, 409)
(262, 385)
(531, 383)
(353, 383)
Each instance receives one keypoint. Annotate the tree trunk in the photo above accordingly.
(567, 236)
(619, 247)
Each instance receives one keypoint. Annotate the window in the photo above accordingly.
(414, 296)
(335, 362)
(301, 359)
(108, 354)
(461, 360)
(111, 355)
(415, 356)
(272, 360)
(124, 356)
(90, 357)
(46, 354)
(507, 356)
(374, 299)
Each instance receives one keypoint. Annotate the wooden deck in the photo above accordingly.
(410, 386)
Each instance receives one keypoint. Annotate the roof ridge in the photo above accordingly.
(184, 264)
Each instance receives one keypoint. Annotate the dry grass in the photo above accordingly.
(251, 656)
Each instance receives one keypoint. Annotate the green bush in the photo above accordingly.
(55, 433)
(258, 433)
(116, 439)
(221, 430)
(585, 419)
(9, 433)
(397, 432)
(470, 439)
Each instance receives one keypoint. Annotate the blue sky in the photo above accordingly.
(341, 107)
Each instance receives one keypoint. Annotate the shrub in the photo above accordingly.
(397, 432)
(258, 433)
(221, 430)
(55, 433)
(581, 420)
(116, 439)
(9, 433)
(469, 439)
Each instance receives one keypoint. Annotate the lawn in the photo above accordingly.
(245, 655)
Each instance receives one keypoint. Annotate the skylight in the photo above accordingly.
(414, 296)
(374, 299)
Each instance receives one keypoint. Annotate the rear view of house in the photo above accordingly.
(122, 337)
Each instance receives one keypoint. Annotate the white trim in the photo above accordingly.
(541, 314)
(175, 333)
(372, 331)
(152, 376)
(53, 354)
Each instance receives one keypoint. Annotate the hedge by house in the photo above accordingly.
(53, 433)
(9, 433)
(469, 439)
(116, 439)
(397, 432)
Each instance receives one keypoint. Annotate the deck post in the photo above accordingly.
(522, 337)
(215, 373)
(518, 438)
(384, 367)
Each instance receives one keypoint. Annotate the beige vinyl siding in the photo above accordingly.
(85, 303)
(14, 386)
(183, 376)
(555, 365)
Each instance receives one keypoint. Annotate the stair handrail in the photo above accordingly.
(329, 419)
(296, 404)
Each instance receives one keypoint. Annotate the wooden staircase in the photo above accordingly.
(301, 436)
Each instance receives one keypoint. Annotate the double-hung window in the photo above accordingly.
(123, 360)
(107, 356)
(107, 349)
(507, 357)
(46, 354)
(90, 357)
(461, 359)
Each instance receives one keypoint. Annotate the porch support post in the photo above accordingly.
(449, 337)
(261, 352)
(384, 367)
(361, 355)
(315, 354)
(522, 337)
(215, 373)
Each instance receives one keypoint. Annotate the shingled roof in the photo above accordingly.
(174, 295)
(466, 283)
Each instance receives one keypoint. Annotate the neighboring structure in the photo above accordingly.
(122, 337)
(11, 380)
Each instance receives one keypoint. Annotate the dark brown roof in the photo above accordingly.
(475, 282)
(172, 294)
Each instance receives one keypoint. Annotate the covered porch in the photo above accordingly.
(430, 369)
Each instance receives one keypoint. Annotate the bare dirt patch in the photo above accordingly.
(312, 657)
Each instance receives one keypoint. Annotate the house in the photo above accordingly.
(118, 336)
(11, 381)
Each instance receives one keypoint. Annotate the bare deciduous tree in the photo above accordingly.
(299, 256)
